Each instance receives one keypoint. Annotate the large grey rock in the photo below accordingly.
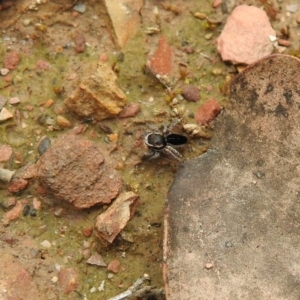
(232, 215)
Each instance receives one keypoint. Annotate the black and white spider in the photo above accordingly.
(158, 143)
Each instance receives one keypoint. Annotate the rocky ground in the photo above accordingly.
(81, 85)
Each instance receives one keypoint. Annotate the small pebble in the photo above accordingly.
(26, 210)
(4, 71)
(26, 22)
(54, 279)
(209, 266)
(33, 212)
(110, 275)
(284, 43)
(14, 100)
(200, 15)
(208, 36)
(46, 244)
(63, 122)
(44, 145)
(80, 8)
(5, 114)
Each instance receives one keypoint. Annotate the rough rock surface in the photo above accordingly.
(73, 169)
(161, 61)
(98, 95)
(245, 37)
(109, 224)
(125, 18)
(232, 215)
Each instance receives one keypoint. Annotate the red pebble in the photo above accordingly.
(208, 111)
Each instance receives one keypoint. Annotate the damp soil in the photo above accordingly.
(47, 33)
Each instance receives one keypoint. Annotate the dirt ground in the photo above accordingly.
(48, 36)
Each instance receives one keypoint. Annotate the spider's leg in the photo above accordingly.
(172, 152)
(152, 154)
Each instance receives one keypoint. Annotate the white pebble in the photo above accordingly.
(79, 8)
(46, 244)
(4, 71)
(110, 275)
(93, 290)
(54, 279)
(101, 286)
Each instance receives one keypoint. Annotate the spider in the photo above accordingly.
(163, 143)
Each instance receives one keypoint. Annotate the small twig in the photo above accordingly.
(132, 289)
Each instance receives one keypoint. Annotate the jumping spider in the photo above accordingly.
(163, 143)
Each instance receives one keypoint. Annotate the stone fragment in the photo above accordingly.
(208, 111)
(5, 153)
(5, 115)
(73, 170)
(245, 37)
(46, 244)
(130, 110)
(17, 185)
(114, 266)
(11, 60)
(4, 71)
(68, 280)
(97, 260)
(13, 214)
(79, 42)
(63, 122)
(43, 65)
(14, 100)
(3, 101)
(125, 18)
(190, 92)
(109, 224)
(87, 232)
(6, 175)
(284, 43)
(161, 62)
(98, 95)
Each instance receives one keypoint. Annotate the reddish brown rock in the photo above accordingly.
(109, 224)
(161, 62)
(68, 280)
(87, 231)
(190, 92)
(13, 214)
(73, 170)
(114, 266)
(245, 37)
(5, 153)
(11, 60)
(208, 111)
(79, 42)
(17, 185)
(130, 110)
(43, 65)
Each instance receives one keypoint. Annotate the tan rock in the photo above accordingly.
(125, 18)
(98, 95)
(5, 114)
(109, 224)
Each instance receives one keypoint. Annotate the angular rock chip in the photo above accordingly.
(97, 260)
(109, 224)
(125, 18)
(98, 95)
(73, 170)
